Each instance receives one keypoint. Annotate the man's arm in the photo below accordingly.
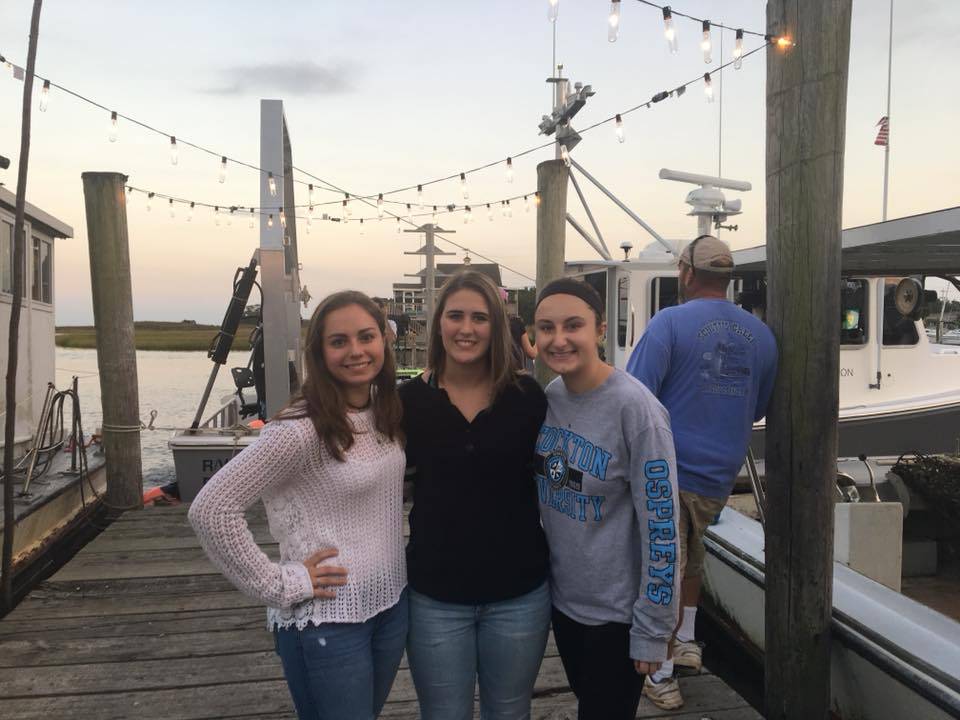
(650, 361)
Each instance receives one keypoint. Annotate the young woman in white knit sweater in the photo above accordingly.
(329, 470)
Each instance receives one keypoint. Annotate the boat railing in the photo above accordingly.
(227, 416)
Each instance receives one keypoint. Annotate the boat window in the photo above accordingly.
(853, 312)
(663, 293)
(6, 259)
(897, 329)
(42, 271)
(623, 309)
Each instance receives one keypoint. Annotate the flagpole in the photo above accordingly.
(886, 147)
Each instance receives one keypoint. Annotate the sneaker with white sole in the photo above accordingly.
(688, 654)
(665, 694)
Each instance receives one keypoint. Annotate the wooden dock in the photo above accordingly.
(140, 625)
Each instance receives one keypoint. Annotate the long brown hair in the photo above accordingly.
(321, 398)
(501, 362)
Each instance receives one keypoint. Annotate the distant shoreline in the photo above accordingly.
(152, 335)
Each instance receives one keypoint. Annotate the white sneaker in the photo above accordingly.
(665, 695)
(688, 654)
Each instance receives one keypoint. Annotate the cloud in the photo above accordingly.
(287, 78)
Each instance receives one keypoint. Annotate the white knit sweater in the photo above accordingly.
(312, 502)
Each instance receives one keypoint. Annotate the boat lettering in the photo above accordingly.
(846, 372)
(213, 464)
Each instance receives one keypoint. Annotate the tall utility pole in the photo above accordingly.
(886, 147)
(13, 346)
(429, 250)
(806, 112)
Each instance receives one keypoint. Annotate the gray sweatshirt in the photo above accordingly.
(607, 479)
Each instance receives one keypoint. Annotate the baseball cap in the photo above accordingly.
(708, 253)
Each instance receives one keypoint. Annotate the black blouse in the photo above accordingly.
(475, 533)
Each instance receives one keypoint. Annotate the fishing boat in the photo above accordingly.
(59, 472)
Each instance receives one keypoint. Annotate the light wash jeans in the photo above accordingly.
(344, 671)
(451, 646)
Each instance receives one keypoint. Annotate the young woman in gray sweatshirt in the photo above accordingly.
(606, 475)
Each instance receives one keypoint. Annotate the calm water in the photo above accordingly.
(170, 383)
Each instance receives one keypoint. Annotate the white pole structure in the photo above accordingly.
(279, 274)
(886, 148)
(430, 251)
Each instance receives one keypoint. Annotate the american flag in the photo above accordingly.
(883, 136)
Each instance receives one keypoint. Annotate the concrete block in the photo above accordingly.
(868, 538)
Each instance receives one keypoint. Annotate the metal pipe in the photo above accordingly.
(38, 436)
(636, 218)
(206, 396)
(586, 236)
(758, 494)
(596, 228)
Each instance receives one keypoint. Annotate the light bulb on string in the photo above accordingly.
(489, 213)
(463, 186)
(509, 210)
(409, 213)
(398, 225)
(708, 87)
(467, 215)
(503, 208)
(553, 6)
(250, 224)
(420, 195)
(526, 203)
(536, 198)
(738, 51)
(283, 218)
(509, 171)
(172, 212)
(45, 96)
(346, 205)
(669, 31)
(190, 211)
(433, 217)
(216, 215)
(149, 201)
(270, 220)
(310, 195)
(230, 217)
(271, 184)
(618, 122)
(174, 153)
(613, 22)
(706, 44)
(114, 126)
(345, 213)
(565, 155)
(223, 169)
(380, 206)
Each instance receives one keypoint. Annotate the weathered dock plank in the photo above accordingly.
(140, 625)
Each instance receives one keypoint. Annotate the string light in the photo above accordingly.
(398, 225)
(270, 220)
(216, 215)
(310, 215)
(380, 206)
(467, 215)
(230, 217)
(669, 31)
(738, 51)
(536, 198)
(310, 195)
(149, 201)
(346, 205)
(409, 214)
(174, 154)
(463, 186)
(503, 208)
(509, 210)
(783, 42)
(223, 169)
(489, 213)
(114, 126)
(172, 213)
(190, 212)
(283, 218)
(509, 171)
(250, 225)
(420, 196)
(45, 96)
(433, 217)
(613, 22)
(618, 121)
(708, 87)
(271, 184)
(526, 203)
(553, 6)
(706, 45)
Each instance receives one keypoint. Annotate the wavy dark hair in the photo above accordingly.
(321, 398)
(501, 361)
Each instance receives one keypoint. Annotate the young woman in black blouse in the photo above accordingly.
(477, 557)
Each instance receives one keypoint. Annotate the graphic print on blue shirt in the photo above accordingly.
(662, 538)
(562, 459)
(725, 365)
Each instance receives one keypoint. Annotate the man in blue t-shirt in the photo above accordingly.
(712, 365)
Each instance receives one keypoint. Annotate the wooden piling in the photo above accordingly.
(113, 316)
(806, 112)
(552, 177)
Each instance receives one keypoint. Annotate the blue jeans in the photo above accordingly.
(343, 671)
(451, 646)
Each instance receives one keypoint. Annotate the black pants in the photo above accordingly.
(597, 661)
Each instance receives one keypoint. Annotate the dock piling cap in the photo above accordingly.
(709, 253)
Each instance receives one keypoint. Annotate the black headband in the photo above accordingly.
(577, 288)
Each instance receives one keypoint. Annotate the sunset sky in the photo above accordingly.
(384, 94)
